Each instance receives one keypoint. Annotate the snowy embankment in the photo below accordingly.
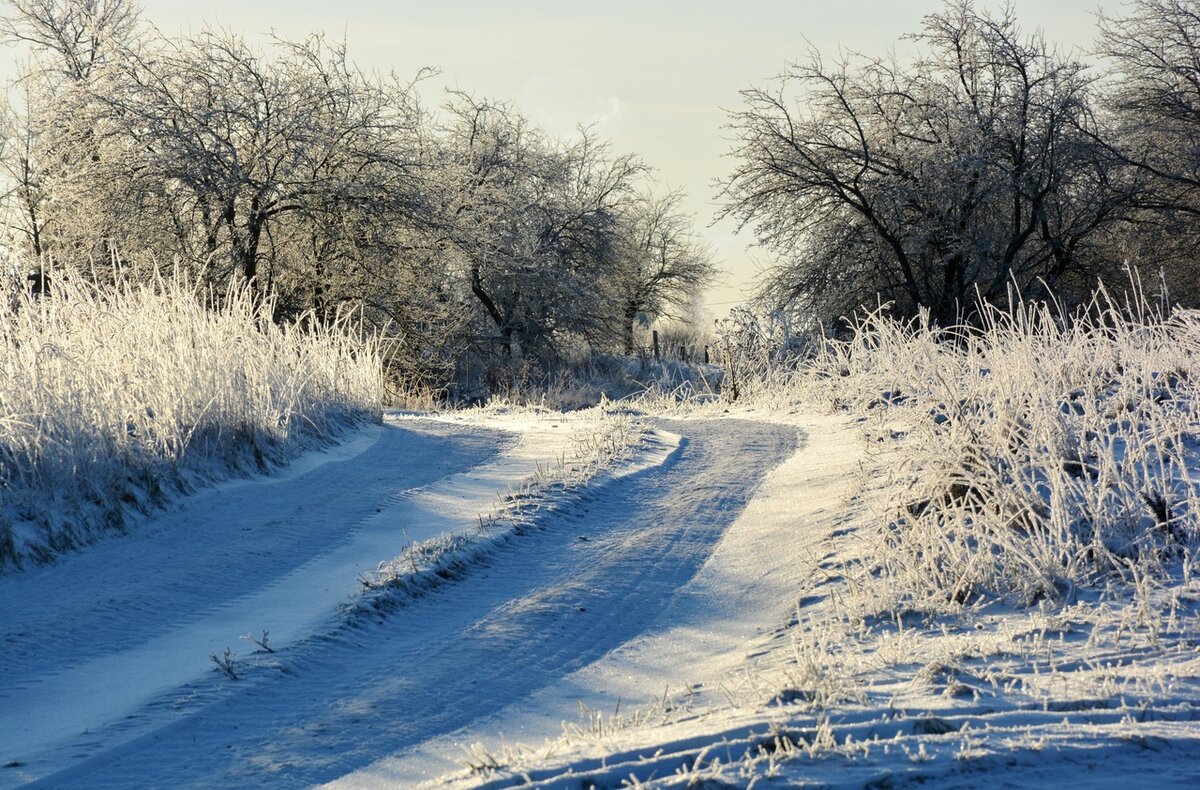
(115, 644)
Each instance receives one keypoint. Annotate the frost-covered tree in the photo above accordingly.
(77, 37)
(287, 167)
(26, 175)
(275, 166)
(534, 224)
(232, 155)
(971, 167)
(51, 150)
(1154, 98)
(664, 263)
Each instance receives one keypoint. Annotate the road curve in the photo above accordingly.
(596, 573)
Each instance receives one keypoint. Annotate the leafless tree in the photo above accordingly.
(1154, 97)
(71, 42)
(78, 36)
(534, 222)
(969, 168)
(664, 262)
(224, 146)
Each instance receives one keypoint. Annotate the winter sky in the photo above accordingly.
(652, 76)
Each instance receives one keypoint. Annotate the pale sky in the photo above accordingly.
(653, 76)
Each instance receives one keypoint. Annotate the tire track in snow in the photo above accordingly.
(596, 575)
(89, 639)
(215, 547)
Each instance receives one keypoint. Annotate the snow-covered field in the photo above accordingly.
(513, 597)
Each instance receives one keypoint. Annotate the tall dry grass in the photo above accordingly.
(1035, 454)
(110, 399)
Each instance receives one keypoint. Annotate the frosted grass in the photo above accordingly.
(1026, 457)
(110, 400)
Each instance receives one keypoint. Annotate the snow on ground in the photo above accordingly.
(800, 689)
(586, 577)
(95, 641)
(705, 631)
(684, 616)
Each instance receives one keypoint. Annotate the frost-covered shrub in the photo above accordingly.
(1045, 454)
(111, 399)
(758, 353)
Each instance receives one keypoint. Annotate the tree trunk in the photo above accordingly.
(254, 229)
(631, 311)
(489, 305)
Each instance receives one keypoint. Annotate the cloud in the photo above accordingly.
(604, 114)
(561, 100)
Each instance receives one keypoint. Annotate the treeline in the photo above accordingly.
(461, 232)
(987, 165)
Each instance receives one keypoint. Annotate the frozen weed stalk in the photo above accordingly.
(226, 663)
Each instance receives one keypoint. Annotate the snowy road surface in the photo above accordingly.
(106, 679)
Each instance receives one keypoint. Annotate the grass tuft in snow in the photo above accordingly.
(109, 400)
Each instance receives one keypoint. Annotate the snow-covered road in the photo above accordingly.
(106, 678)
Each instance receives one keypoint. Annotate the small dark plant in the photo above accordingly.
(260, 641)
(225, 662)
